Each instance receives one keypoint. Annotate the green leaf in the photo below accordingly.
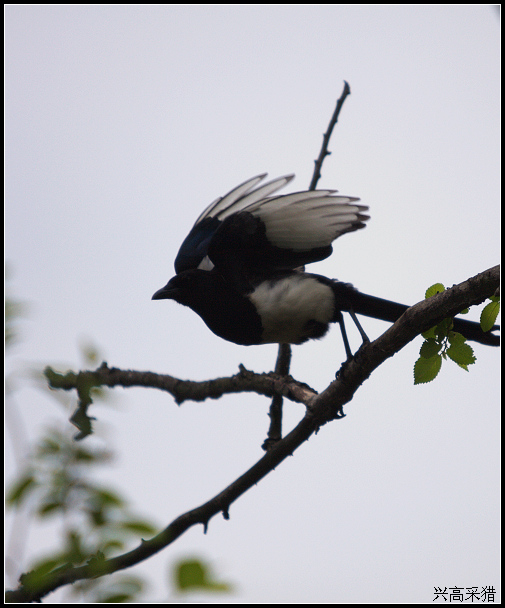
(429, 348)
(430, 333)
(488, 315)
(444, 327)
(116, 598)
(47, 508)
(426, 370)
(84, 455)
(190, 574)
(49, 447)
(20, 490)
(455, 338)
(108, 497)
(142, 528)
(462, 354)
(433, 290)
(193, 574)
(122, 590)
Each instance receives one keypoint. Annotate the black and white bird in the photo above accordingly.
(241, 267)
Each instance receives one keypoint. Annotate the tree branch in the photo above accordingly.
(268, 384)
(284, 352)
(326, 138)
(321, 409)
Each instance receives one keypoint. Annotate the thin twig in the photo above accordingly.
(284, 352)
(326, 139)
(275, 413)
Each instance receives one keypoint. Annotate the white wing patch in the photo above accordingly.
(238, 198)
(286, 307)
(306, 220)
(300, 221)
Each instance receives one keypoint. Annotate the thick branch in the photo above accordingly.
(320, 409)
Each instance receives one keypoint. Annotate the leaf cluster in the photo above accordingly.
(442, 343)
(96, 519)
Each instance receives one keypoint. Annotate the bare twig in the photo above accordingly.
(284, 352)
(275, 413)
(326, 139)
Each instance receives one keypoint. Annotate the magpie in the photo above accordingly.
(242, 267)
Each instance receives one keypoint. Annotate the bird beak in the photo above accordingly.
(165, 293)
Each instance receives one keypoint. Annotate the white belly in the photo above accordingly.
(289, 307)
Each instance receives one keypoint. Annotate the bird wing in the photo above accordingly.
(250, 229)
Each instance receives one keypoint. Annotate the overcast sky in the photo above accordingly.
(122, 124)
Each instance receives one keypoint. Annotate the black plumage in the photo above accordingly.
(241, 267)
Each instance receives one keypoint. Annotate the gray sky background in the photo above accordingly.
(122, 124)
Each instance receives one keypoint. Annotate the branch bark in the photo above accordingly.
(321, 409)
